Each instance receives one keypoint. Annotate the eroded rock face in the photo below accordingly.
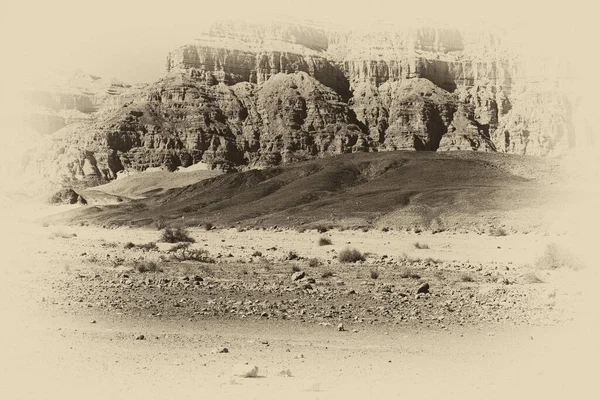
(246, 95)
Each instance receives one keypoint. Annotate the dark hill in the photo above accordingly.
(393, 189)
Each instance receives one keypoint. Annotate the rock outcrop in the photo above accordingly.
(247, 95)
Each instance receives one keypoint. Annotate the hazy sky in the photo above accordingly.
(129, 40)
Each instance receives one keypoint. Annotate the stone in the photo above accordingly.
(245, 370)
(296, 276)
(424, 288)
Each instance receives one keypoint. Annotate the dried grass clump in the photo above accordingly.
(349, 255)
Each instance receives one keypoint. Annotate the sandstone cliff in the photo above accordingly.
(245, 95)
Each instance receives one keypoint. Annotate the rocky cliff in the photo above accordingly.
(245, 95)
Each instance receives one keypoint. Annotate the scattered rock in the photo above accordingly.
(220, 350)
(424, 288)
(245, 371)
(286, 373)
(140, 337)
(298, 275)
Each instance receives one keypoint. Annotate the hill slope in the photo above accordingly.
(394, 189)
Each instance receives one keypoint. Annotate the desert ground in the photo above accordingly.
(90, 313)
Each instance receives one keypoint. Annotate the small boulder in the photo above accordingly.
(298, 275)
(424, 288)
(245, 370)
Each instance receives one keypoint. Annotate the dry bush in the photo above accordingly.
(349, 255)
(374, 273)
(296, 268)
(409, 273)
(182, 252)
(321, 228)
(129, 245)
(146, 266)
(556, 257)
(257, 254)
(324, 241)
(497, 231)
(176, 235)
(466, 277)
(326, 274)
(147, 246)
(314, 262)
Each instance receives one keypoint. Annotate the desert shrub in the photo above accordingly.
(466, 277)
(421, 246)
(326, 274)
(556, 257)
(324, 241)
(160, 224)
(129, 245)
(349, 255)
(148, 246)
(296, 268)
(497, 231)
(409, 273)
(182, 252)
(146, 266)
(176, 235)
(374, 273)
(257, 254)
(207, 226)
(314, 262)
(321, 228)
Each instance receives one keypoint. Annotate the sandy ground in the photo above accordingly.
(58, 352)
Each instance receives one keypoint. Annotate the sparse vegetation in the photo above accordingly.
(497, 231)
(326, 274)
(148, 246)
(314, 262)
(146, 266)
(177, 235)
(160, 224)
(407, 272)
(324, 241)
(182, 252)
(349, 255)
(321, 228)
(374, 273)
(466, 277)
(62, 235)
(556, 257)
(145, 247)
(421, 246)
